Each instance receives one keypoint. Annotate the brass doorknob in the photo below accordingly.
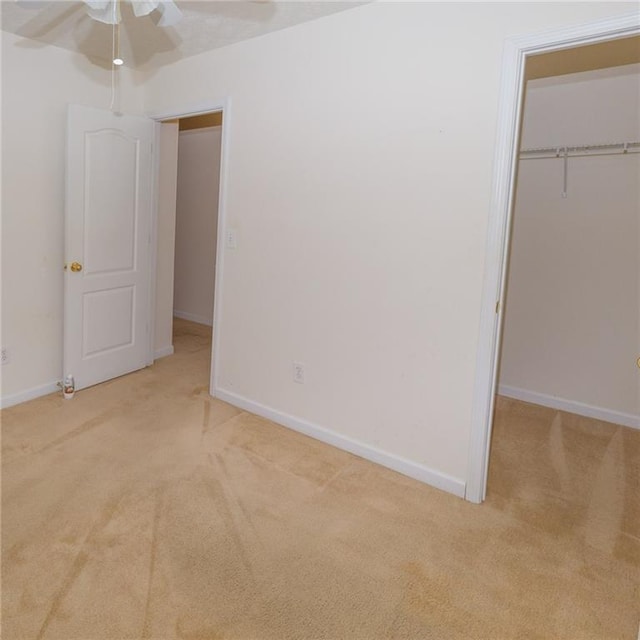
(76, 266)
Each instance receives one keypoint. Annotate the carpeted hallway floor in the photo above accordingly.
(143, 508)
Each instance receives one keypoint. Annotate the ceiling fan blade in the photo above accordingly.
(170, 14)
(107, 12)
(97, 5)
(144, 7)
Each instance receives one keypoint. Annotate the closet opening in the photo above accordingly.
(617, 36)
(568, 384)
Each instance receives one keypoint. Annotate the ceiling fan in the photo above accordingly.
(108, 11)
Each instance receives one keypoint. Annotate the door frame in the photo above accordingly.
(511, 94)
(222, 105)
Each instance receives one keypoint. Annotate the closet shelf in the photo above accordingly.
(608, 148)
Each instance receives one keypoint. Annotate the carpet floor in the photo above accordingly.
(143, 508)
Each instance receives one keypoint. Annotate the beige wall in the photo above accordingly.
(359, 179)
(196, 223)
(37, 84)
(571, 322)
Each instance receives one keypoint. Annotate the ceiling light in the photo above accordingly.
(118, 62)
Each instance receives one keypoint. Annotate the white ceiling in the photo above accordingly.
(206, 24)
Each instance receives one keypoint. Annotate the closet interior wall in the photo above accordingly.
(571, 329)
(197, 218)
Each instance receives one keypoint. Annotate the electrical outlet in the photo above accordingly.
(298, 372)
(5, 357)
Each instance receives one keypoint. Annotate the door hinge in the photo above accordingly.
(497, 306)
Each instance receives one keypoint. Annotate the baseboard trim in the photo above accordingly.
(396, 463)
(162, 353)
(29, 394)
(571, 406)
(193, 317)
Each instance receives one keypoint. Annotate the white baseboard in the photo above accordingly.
(164, 351)
(193, 317)
(29, 394)
(571, 406)
(401, 465)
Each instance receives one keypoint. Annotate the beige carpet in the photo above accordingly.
(143, 508)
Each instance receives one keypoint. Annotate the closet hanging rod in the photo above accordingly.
(582, 150)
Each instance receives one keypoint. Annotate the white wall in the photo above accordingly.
(37, 84)
(165, 238)
(196, 223)
(359, 178)
(571, 328)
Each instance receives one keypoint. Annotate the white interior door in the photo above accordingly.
(109, 208)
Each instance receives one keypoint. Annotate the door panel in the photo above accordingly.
(108, 231)
(108, 319)
(110, 214)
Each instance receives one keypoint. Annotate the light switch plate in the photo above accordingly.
(232, 239)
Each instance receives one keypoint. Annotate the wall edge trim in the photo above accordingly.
(419, 472)
(163, 352)
(29, 394)
(570, 406)
(193, 317)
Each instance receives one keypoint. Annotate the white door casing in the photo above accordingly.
(108, 224)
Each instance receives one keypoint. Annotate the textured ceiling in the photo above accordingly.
(205, 25)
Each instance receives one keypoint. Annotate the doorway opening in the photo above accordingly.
(567, 378)
(198, 183)
(518, 51)
(190, 217)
